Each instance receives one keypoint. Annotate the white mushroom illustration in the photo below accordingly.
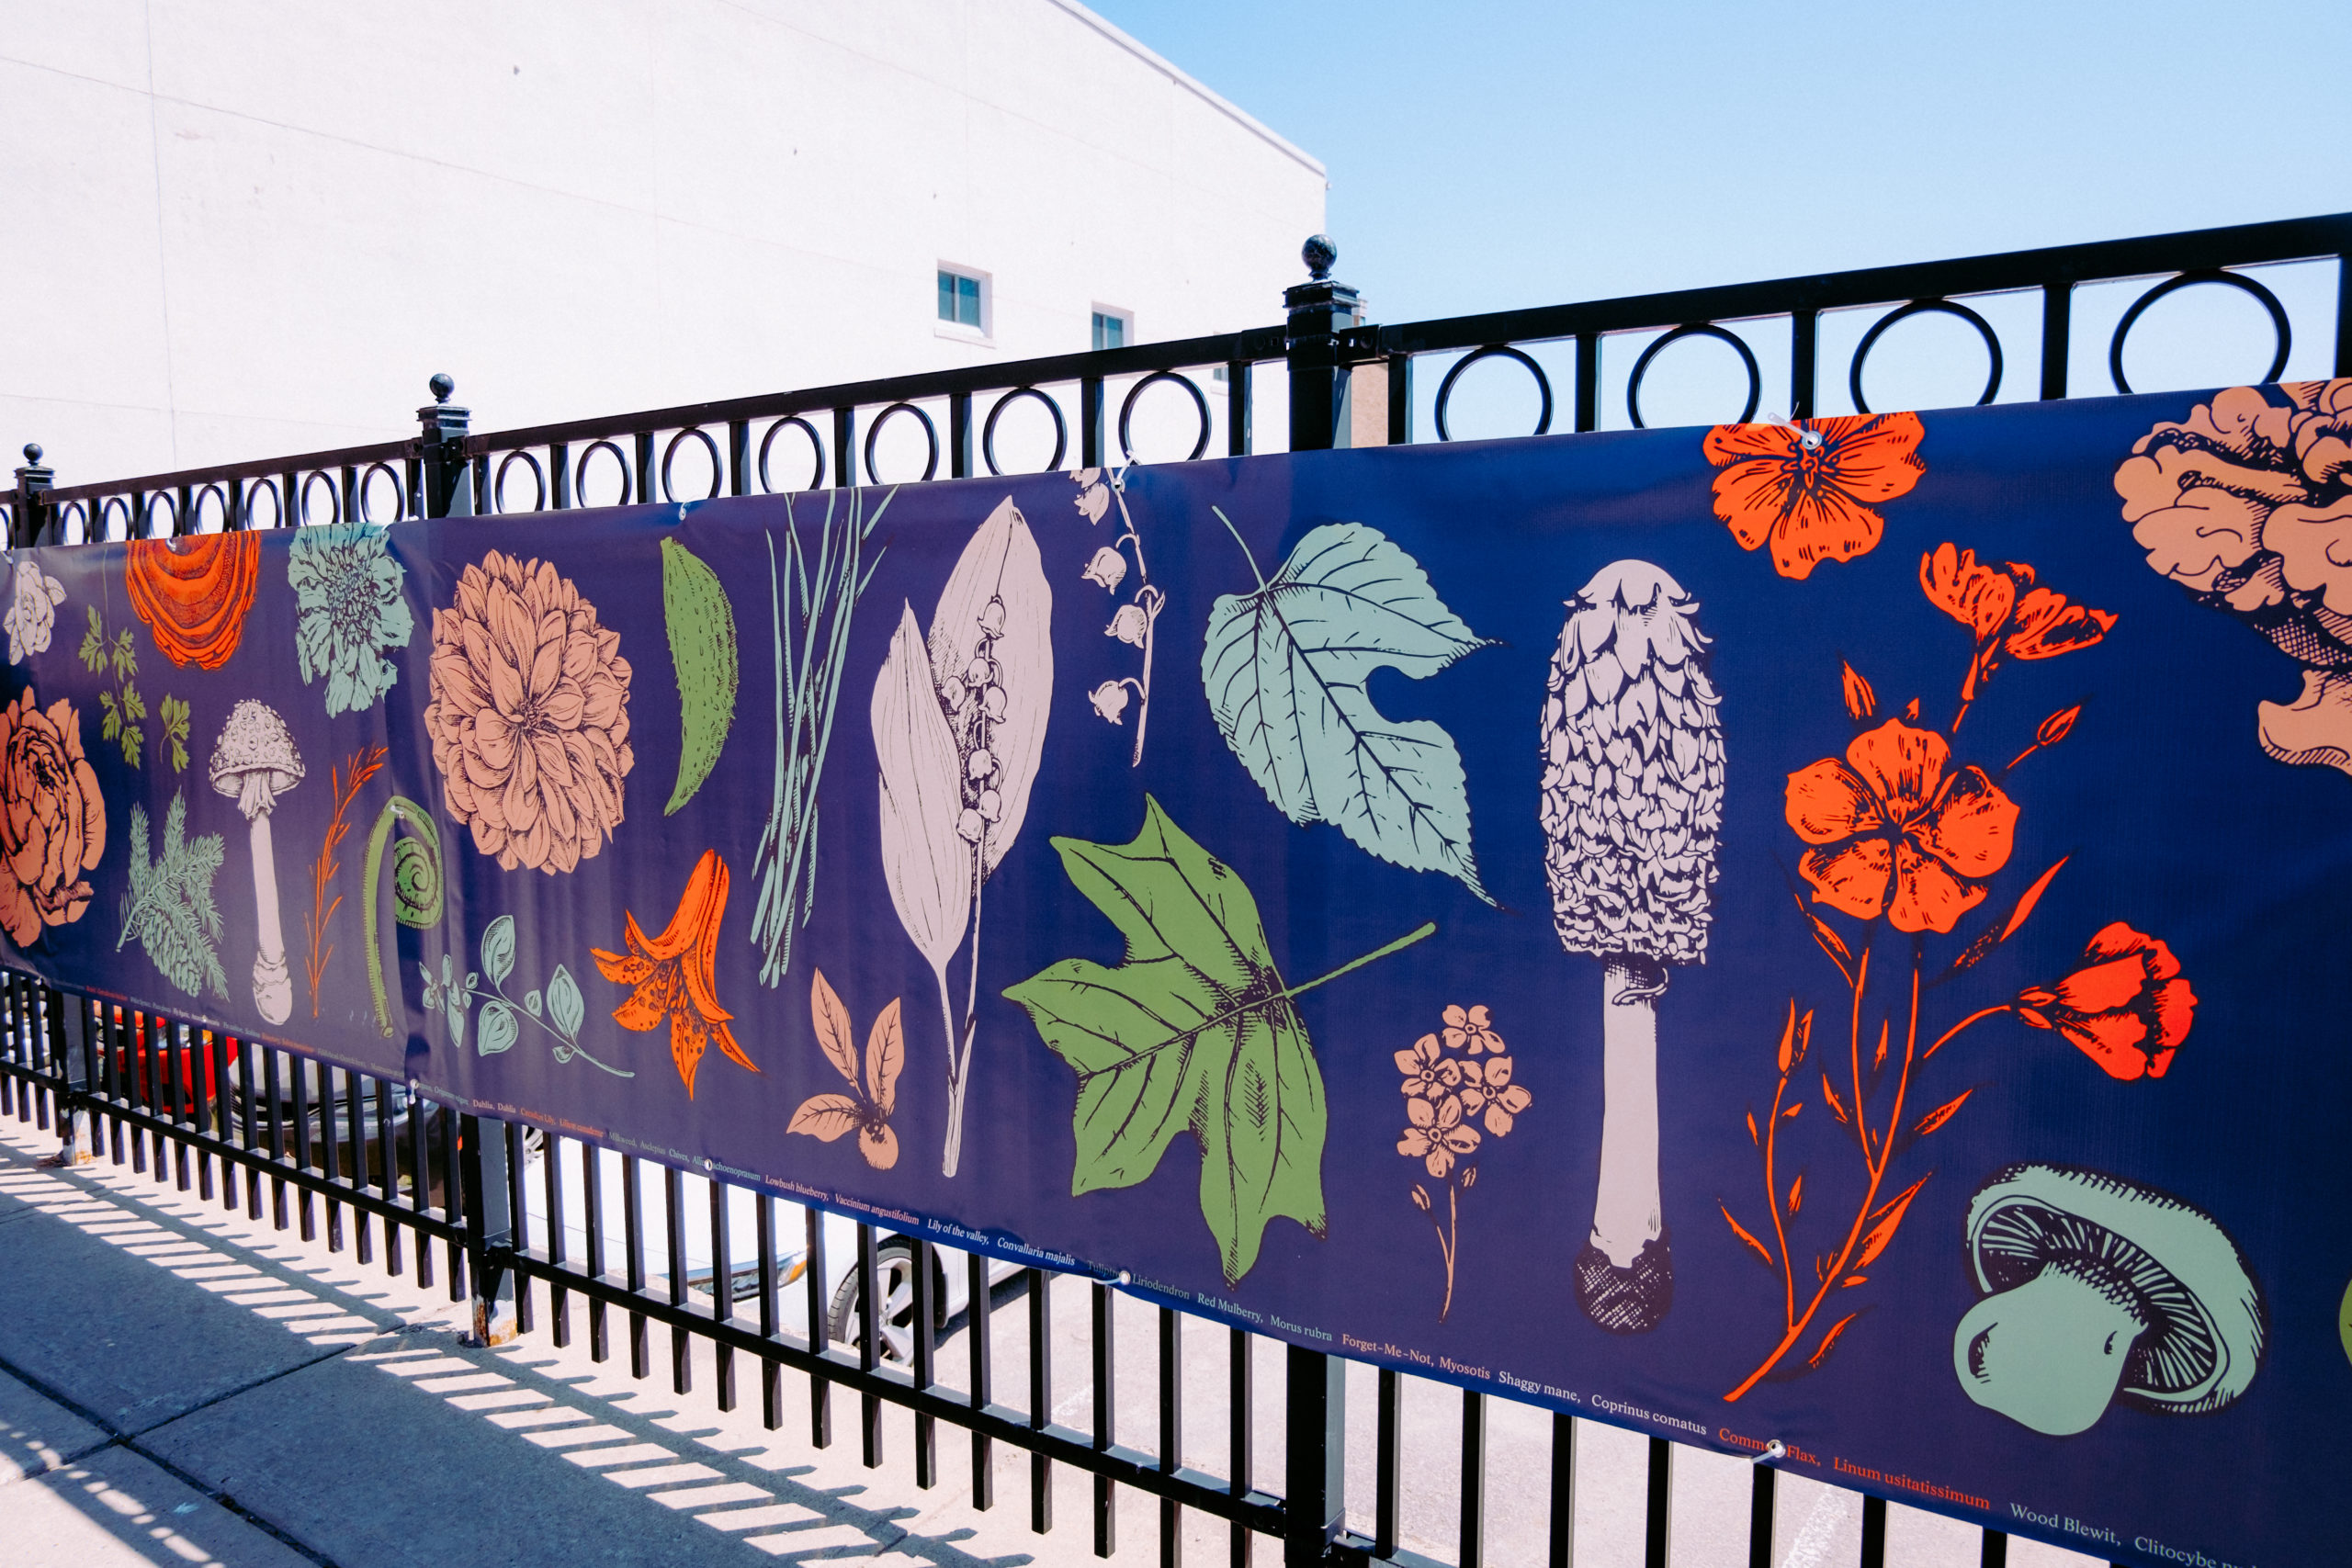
(255, 762)
(1632, 802)
(2101, 1289)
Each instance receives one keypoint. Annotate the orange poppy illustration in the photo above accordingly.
(193, 593)
(672, 974)
(1811, 487)
(1896, 831)
(2011, 615)
(2126, 1007)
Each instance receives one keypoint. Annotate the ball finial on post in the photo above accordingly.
(1318, 253)
(32, 453)
(442, 384)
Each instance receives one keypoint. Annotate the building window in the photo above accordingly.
(1110, 330)
(960, 299)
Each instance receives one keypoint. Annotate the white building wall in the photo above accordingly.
(243, 228)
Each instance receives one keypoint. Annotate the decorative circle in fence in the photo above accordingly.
(1690, 330)
(1496, 351)
(2268, 301)
(147, 515)
(816, 450)
(988, 430)
(1926, 307)
(366, 498)
(717, 466)
(334, 495)
(539, 481)
(1128, 409)
(930, 433)
(254, 488)
(580, 473)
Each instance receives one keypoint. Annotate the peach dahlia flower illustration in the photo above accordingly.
(529, 715)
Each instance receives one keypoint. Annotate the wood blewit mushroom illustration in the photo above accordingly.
(1632, 799)
(255, 763)
(2101, 1289)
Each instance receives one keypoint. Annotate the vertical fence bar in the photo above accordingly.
(1105, 1349)
(363, 1234)
(560, 476)
(820, 1338)
(388, 1184)
(1805, 349)
(1659, 1527)
(641, 1354)
(644, 446)
(592, 1203)
(1240, 1382)
(1760, 1502)
(844, 448)
(926, 1352)
(1474, 1479)
(739, 457)
(673, 1234)
(419, 1185)
(771, 1314)
(1563, 1552)
(1089, 422)
(1994, 1552)
(959, 435)
(872, 1312)
(1172, 1432)
(1041, 1402)
(722, 1293)
(1588, 380)
(1315, 1470)
(453, 1189)
(518, 1217)
(252, 1143)
(490, 1234)
(1400, 400)
(979, 1337)
(1238, 441)
(1873, 1532)
(2057, 327)
(1387, 1461)
(559, 1299)
(2343, 315)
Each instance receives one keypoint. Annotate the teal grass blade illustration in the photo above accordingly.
(1286, 670)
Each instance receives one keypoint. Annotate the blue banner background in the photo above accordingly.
(2172, 818)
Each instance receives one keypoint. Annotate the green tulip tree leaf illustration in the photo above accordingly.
(1194, 1032)
(1287, 668)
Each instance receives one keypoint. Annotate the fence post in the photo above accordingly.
(33, 481)
(490, 1225)
(68, 1054)
(449, 478)
(1319, 311)
(1315, 1456)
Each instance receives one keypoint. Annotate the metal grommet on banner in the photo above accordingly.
(1772, 1450)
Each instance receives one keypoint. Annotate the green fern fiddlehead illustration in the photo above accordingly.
(416, 886)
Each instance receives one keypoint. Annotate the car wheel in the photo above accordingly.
(894, 1272)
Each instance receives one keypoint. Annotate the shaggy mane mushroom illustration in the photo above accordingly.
(255, 763)
(2101, 1289)
(1632, 802)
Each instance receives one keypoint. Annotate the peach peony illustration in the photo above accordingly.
(529, 715)
(2248, 504)
(53, 820)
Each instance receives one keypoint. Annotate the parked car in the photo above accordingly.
(894, 1269)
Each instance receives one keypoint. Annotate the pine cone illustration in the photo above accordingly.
(1632, 805)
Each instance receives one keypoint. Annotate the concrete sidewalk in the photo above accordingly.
(181, 1385)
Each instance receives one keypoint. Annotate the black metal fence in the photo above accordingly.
(379, 1166)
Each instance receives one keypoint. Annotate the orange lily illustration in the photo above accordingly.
(672, 974)
(1811, 487)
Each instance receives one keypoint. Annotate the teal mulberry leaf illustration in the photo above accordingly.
(1194, 1032)
(1286, 670)
(169, 908)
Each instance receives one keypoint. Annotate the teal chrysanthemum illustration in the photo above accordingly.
(348, 587)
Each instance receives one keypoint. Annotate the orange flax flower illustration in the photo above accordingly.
(1810, 488)
(2011, 617)
(2126, 1007)
(193, 593)
(1896, 831)
(672, 974)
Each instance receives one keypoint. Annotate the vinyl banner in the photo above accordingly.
(1827, 933)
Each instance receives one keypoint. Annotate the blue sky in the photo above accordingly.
(1500, 152)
